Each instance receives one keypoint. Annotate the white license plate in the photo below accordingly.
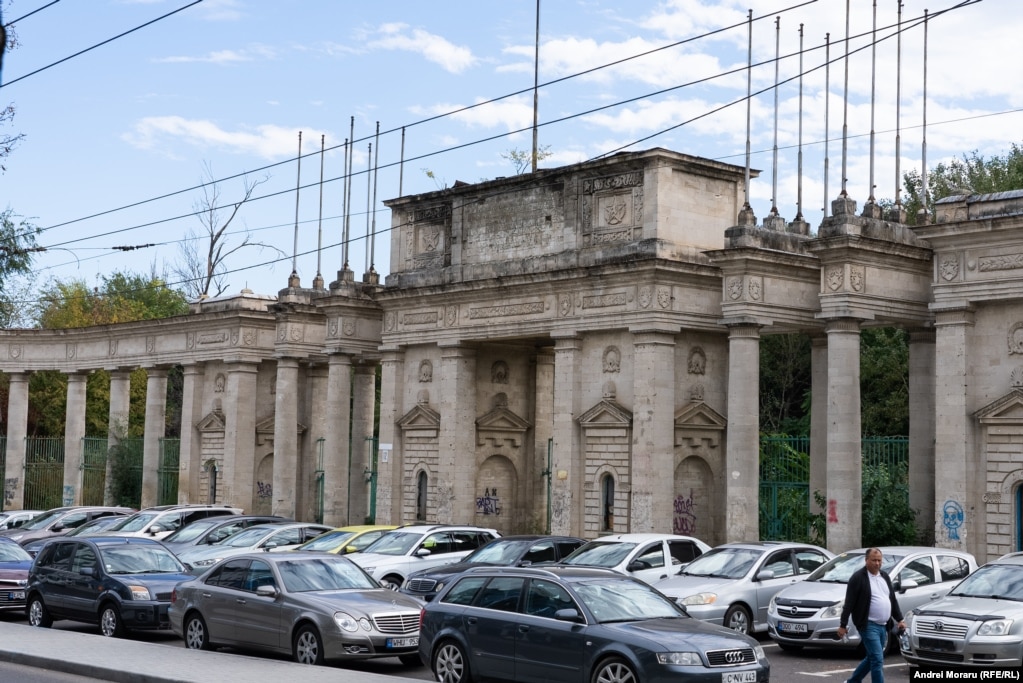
(17, 595)
(403, 642)
(788, 627)
(739, 677)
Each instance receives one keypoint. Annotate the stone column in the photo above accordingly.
(390, 464)
(845, 451)
(818, 420)
(569, 473)
(456, 479)
(742, 450)
(285, 438)
(155, 429)
(336, 456)
(190, 455)
(364, 394)
(543, 430)
(17, 430)
(921, 429)
(653, 432)
(74, 432)
(314, 447)
(954, 433)
(117, 424)
(239, 437)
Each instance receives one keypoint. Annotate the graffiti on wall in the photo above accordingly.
(684, 520)
(953, 518)
(264, 489)
(69, 495)
(488, 503)
(832, 511)
(10, 489)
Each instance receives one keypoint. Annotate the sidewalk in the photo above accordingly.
(133, 661)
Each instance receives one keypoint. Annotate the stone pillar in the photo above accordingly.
(74, 432)
(390, 463)
(336, 456)
(954, 433)
(653, 433)
(239, 437)
(742, 448)
(818, 420)
(155, 429)
(921, 430)
(314, 447)
(17, 430)
(285, 438)
(364, 394)
(543, 431)
(569, 473)
(190, 455)
(117, 424)
(456, 479)
(845, 451)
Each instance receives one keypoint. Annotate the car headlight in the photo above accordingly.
(995, 627)
(680, 658)
(346, 622)
(833, 611)
(365, 624)
(206, 563)
(699, 599)
(772, 606)
(439, 587)
(759, 652)
(139, 593)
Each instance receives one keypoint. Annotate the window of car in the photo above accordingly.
(545, 598)
(74, 519)
(439, 543)
(230, 574)
(57, 556)
(258, 574)
(953, 568)
(463, 592)
(291, 536)
(683, 552)
(780, 563)
(501, 593)
(541, 551)
(808, 560)
(920, 570)
(566, 548)
(85, 558)
(651, 556)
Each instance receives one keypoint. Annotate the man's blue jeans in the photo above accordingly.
(874, 640)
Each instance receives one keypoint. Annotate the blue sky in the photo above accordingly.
(228, 84)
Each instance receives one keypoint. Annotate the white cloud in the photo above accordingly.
(223, 56)
(451, 57)
(513, 113)
(165, 133)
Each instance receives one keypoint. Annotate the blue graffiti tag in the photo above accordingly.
(488, 503)
(953, 518)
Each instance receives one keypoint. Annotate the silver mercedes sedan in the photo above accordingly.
(317, 607)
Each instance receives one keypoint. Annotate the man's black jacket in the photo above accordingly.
(857, 601)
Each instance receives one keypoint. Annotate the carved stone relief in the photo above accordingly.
(857, 278)
(949, 267)
(425, 371)
(697, 361)
(1016, 338)
(612, 359)
(499, 372)
(835, 278)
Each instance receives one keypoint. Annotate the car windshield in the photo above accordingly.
(43, 520)
(12, 552)
(393, 543)
(94, 527)
(132, 558)
(502, 554)
(190, 532)
(723, 563)
(136, 522)
(839, 569)
(997, 581)
(617, 600)
(323, 574)
(327, 541)
(246, 539)
(599, 554)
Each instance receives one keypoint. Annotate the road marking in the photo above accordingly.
(824, 674)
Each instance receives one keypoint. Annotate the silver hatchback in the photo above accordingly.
(807, 614)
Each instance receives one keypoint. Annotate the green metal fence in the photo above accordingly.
(44, 472)
(94, 469)
(170, 456)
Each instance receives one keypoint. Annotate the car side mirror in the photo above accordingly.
(765, 575)
(58, 527)
(568, 614)
(422, 552)
(267, 591)
(637, 565)
(903, 586)
(87, 571)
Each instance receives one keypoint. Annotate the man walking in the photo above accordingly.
(870, 601)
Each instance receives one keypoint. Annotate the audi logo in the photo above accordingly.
(734, 657)
(939, 626)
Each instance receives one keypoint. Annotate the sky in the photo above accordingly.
(120, 139)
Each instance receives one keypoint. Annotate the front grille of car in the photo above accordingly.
(796, 611)
(939, 656)
(163, 597)
(733, 657)
(940, 628)
(421, 585)
(398, 623)
(12, 584)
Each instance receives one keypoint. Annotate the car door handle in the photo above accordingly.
(207, 595)
(470, 620)
(523, 628)
(664, 576)
(240, 601)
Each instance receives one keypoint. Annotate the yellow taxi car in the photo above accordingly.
(346, 539)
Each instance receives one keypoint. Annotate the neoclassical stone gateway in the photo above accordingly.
(577, 349)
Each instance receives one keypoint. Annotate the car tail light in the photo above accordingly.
(174, 595)
(422, 614)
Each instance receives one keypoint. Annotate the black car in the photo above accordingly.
(213, 530)
(573, 624)
(507, 551)
(117, 582)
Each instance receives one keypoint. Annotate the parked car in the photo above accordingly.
(396, 554)
(507, 551)
(647, 557)
(317, 607)
(733, 583)
(14, 565)
(271, 536)
(119, 583)
(162, 520)
(11, 519)
(59, 521)
(574, 624)
(976, 626)
(346, 539)
(807, 613)
(205, 532)
(96, 527)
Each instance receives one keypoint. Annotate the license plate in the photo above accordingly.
(789, 627)
(16, 595)
(739, 677)
(403, 642)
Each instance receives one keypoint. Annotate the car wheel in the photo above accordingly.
(614, 670)
(197, 637)
(738, 619)
(391, 582)
(790, 648)
(410, 660)
(110, 623)
(308, 647)
(38, 615)
(450, 664)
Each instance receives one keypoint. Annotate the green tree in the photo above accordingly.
(522, 159)
(967, 175)
(785, 384)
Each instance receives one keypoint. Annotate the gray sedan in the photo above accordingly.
(317, 607)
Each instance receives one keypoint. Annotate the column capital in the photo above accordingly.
(843, 326)
(949, 314)
(921, 335)
(744, 330)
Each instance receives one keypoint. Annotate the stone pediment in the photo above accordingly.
(422, 421)
(1006, 410)
(607, 413)
(265, 430)
(213, 422)
(698, 415)
(501, 426)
